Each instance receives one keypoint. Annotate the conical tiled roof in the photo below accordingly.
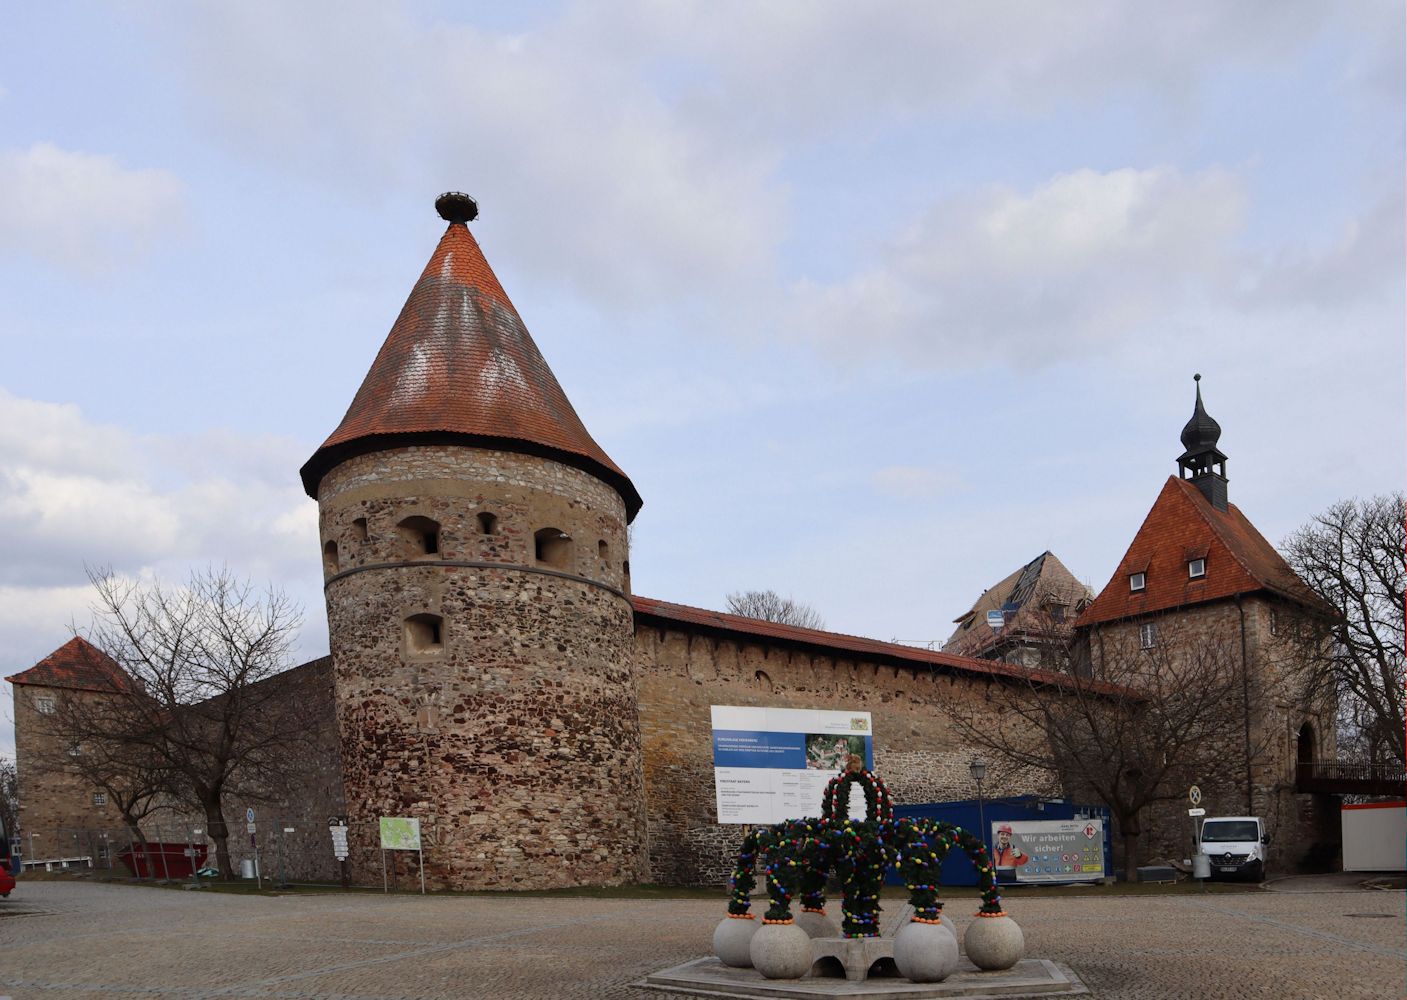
(459, 367)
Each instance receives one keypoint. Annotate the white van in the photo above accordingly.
(1235, 846)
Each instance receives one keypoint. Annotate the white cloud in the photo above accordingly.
(606, 187)
(74, 493)
(83, 211)
(1030, 278)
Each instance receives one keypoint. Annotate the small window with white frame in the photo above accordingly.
(100, 798)
(1196, 569)
(1137, 582)
(1147, 635)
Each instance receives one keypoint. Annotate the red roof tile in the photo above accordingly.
(77, 665)
(1183, 525)
(836, 642)
(459, 366)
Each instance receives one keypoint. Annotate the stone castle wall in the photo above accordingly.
(683, 672)
(514, 738)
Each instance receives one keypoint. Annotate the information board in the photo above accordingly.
(400, 833)
(1062, 850)
(772, 764)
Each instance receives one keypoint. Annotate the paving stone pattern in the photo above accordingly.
(68, 940)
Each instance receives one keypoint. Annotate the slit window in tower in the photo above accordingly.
(421, 535)
(553, 547)
(359, 529)
(488, 523)
(424, 633)
(329, 558)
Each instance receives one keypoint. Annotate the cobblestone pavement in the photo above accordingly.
(62, 940)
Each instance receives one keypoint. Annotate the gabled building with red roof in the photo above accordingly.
(55, 800)
(1198, 576)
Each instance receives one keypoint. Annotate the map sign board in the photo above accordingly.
(772, 764)
(1064, 850)
(400, 833)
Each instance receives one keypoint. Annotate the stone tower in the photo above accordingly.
(476, 574)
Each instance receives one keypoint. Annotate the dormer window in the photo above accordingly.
(1137, 582)
(1196, 569)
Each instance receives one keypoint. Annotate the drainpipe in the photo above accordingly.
(1246, 707)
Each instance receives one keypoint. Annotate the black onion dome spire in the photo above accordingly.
(1202, 432)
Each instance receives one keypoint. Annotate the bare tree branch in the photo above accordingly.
(769, 606)
(1352, 555)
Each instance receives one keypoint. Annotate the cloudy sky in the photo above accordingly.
(873, 302)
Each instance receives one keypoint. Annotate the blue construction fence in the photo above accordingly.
(970, 814)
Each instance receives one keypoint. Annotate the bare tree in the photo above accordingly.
(770, 606)
(1130, 726)
(1352, 555)
(199, 714)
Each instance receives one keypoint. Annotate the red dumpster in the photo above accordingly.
(162, 860)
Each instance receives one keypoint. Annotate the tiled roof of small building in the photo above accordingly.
(1181, 526)
(837, 643)
(459, 366)
(77, 665)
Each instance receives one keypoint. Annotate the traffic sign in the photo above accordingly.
(1196, 812)
(249, 827)
(1194, 795)
(249, 815)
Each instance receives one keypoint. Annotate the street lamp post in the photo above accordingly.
(978, 770)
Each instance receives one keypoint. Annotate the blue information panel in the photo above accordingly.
(771, 764)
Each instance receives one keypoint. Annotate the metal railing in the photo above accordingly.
(1351, 777)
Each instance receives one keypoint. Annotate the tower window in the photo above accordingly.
(603, 551)
(553, 547)
(1137, 581)
(329, 558)
(359, 529)
(424, 633)
(488, 523)
(1196, 568)
(625, 574)
(421, 536)
(1147, 635)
